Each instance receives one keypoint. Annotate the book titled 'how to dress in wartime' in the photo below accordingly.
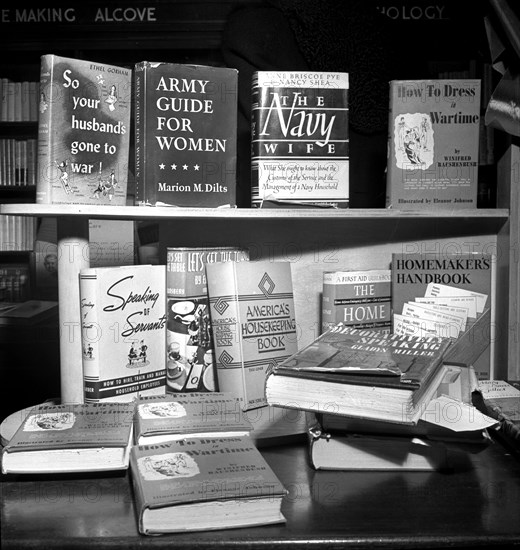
(300, 138)
(123, 331)
(433, 144)
(185, 134)
(83, 132)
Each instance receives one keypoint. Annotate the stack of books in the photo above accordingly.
(375, 397)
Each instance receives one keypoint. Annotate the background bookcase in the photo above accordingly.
(313, 241)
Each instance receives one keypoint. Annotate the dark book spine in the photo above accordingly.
(142, 192)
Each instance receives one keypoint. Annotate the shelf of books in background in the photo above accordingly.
(359, 299)
(185, 135)
(83, 132)
(18, 163)
(254, 327)
(380, 400)
(190, 362)
(123, 331)
(449, 295)
(300, 139)
(433, 144)
(19, 100)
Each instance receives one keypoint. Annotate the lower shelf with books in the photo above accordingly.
(475, 505)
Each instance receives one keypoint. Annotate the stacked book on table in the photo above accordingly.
(381, 401)
(192, 461)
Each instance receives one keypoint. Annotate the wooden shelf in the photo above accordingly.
(165, 213)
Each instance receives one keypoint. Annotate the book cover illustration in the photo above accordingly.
(254, 324)
(185, 134)
(445, 294)
(188, 414)
(300, 138)
(75, 425)
(123, 328)
(433, 149)
(360, 299)
(83, 132)
(191, 474)
(190, 361)
(347, 354)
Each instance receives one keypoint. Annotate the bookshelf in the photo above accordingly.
(476, 506)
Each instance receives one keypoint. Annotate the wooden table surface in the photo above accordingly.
(477, 504)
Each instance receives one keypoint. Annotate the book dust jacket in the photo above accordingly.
(185, 135)
(300, 138)
(433, 144)
(123, 326)
(190, 354)
(83, 132)
(254, 324)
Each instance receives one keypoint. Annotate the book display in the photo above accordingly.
(71, 438)
(300, 147)
(310, 429)
(204, 484)
(160, 418)
(254, 325)
(83, 132)
(123, 331)
(433, 149)
(190, 360)
(185, 135)
(360, 299)
(361, 373)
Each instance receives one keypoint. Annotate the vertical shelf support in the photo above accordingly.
(73, 254)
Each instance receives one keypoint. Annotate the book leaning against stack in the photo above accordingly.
(379, 399)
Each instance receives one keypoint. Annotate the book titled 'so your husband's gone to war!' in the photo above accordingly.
(83, 132)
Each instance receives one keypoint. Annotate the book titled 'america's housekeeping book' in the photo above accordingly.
(190, 361)
(185, 134)
(202, 484)
(160, 418)
(254, 324)
(433, 144)
(360, 299)
(300, 138)
(83, 132)
(71, 438)
(123, 331)
(361, 373)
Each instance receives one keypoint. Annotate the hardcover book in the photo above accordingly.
(354, 451)
(463, 283)
(71, 438)
(185, 134)
(361, 373)
(360, 299)
(300, 138)
(202, 484)
(501, 400)
(254, 325)
(161, 418)
(433, 144)
(190, 362)
(83, 132)
(123, 330)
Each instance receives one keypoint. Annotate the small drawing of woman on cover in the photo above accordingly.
(168, 465)
(50, 421)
